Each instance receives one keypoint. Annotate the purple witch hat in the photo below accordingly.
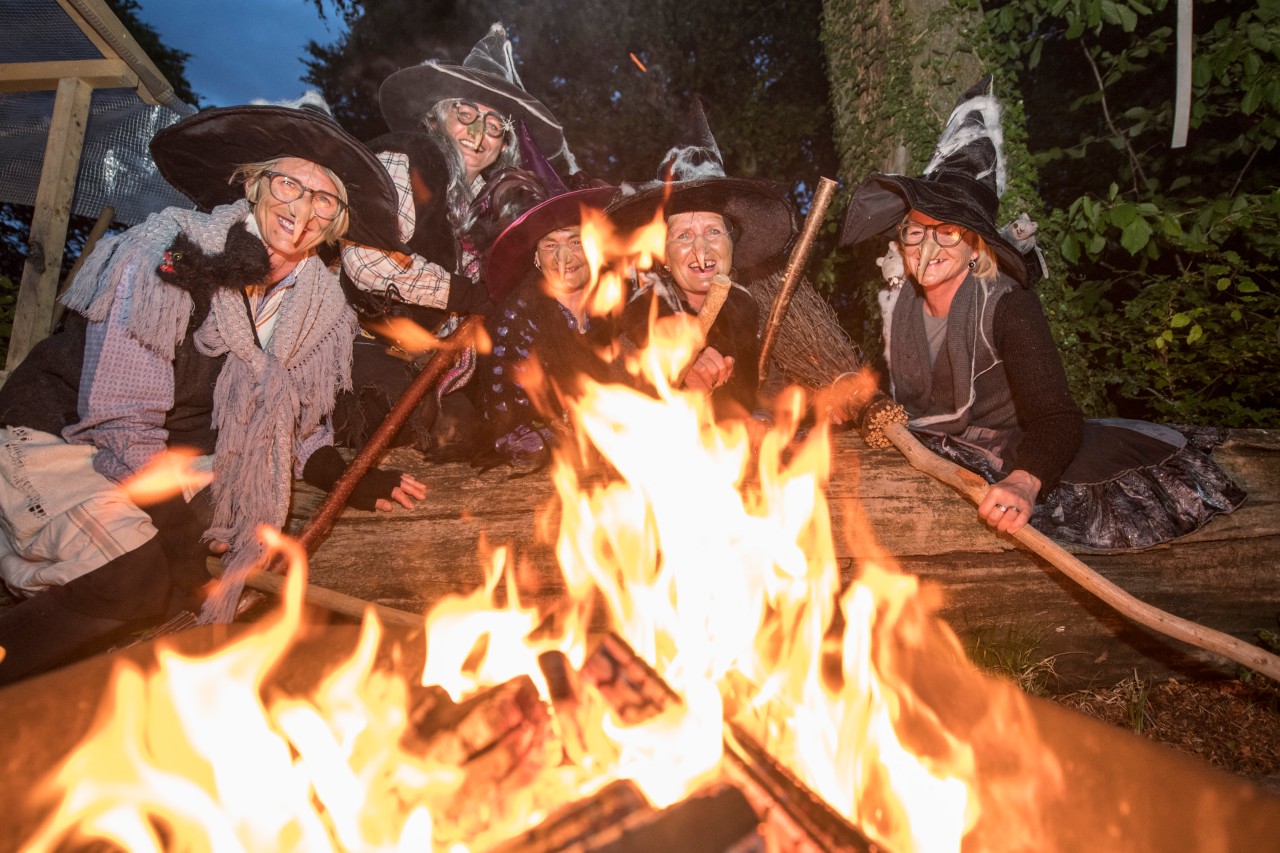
(510, 258)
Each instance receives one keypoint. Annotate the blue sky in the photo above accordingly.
(241, 49)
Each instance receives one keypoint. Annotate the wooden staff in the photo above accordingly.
(716, 296)
(974, 488)
(100, 226)
(323, 519)
(795, 264)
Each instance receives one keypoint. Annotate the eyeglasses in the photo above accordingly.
(944, 234)
(494, 125)
(324, 205)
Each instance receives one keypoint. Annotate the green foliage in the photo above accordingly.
(1167, 298)
(1014, 652)
(761, 78)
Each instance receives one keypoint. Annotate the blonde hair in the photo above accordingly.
(254, 174)
(986, 267)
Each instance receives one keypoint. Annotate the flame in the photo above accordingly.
(173, 471)
(413, 341)
(713, 556)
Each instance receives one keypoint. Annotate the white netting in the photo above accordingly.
(115, 166)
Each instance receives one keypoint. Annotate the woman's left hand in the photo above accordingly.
(1007, 504)
(409, 492)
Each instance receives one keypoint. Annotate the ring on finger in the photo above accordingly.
(1002, 507)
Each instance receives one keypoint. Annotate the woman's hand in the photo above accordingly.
(709, 371)
(1007, 504)
(409, 492)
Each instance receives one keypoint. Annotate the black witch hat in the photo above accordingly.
(199, 157)
(691, 177)
(962, 183)
(487, 76)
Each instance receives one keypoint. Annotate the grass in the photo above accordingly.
(1013, 652)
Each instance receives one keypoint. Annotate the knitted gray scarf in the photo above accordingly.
(262, 399)
(969, 346)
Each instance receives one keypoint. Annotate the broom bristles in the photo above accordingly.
(812, 348)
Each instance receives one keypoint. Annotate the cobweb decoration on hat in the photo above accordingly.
(493, 54)
(972, 144)
(311, 100)
(696, 155)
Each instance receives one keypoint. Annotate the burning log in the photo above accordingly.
(619, 820)
(798, 820)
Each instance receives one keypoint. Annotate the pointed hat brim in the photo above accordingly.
(881, 202)
(408, 95)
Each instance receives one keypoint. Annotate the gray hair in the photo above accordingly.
(459, 195)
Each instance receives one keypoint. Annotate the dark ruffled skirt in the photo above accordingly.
(1132, 484)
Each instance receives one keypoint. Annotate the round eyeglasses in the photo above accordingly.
(945, 234)
(468, 113)
(324, 205)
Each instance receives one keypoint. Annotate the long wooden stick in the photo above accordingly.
(337, 602)
(795, 265)
(974, 488)
(322, 521)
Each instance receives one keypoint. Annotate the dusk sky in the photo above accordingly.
(241, 49)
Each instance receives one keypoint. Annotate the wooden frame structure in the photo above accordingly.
(124, 65)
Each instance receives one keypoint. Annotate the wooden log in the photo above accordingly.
(572, 826)
(994, 594)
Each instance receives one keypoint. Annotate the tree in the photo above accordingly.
(1163, 294)
(619, 75)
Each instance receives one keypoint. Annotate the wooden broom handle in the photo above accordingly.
(795, 265)
(974, 488)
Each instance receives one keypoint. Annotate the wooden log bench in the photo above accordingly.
(1002, 600)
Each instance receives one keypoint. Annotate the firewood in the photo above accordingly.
(633, 690)
(718, 820)
(565, 689)
(457, 734)
(786, 802)
(577, 822)
(617, 819)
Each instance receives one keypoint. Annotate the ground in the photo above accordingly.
(1232, 724)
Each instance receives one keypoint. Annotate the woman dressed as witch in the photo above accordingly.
(222, 332)
(544, 337)
(972, 361)
(452, 128)
(716, 225)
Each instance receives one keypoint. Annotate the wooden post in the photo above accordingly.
(33, 314)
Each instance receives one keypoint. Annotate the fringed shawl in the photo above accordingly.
(264, 401)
